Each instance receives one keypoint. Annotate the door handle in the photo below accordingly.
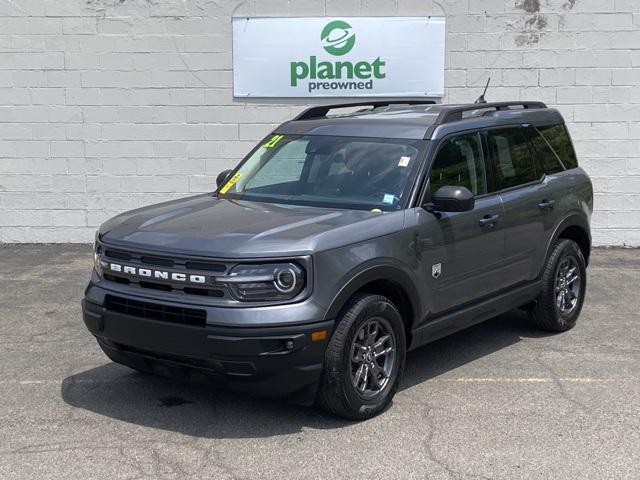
(488, 220)
(546, 204)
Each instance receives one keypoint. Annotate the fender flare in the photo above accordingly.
(573, 220)
(371, 274)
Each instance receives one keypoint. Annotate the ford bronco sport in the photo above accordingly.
(343, 241)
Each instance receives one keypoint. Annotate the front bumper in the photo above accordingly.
(273, 361)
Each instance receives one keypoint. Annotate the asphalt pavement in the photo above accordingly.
(500, 400)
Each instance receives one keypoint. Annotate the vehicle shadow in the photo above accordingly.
(199, 410)
(468, 345)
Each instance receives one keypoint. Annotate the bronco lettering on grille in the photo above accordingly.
(157, 274)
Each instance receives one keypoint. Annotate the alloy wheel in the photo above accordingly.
(373, 355)
(567, 285)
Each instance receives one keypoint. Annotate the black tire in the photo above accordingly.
(545, 312)
(337, 393)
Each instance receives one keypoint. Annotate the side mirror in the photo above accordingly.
(223, 177)
(452, 199)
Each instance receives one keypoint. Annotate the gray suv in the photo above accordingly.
(343, 241)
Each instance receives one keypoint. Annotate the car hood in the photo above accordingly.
(208, 226)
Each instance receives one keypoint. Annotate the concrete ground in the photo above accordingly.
(500, 400)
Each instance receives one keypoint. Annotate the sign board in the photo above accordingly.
(338, 57)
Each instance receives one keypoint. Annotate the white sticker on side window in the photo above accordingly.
(404, 161)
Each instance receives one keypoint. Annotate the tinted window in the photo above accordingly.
(459, 163)
(511, 158)
(558, 138)
(546, 156)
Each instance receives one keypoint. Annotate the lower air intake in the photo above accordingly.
(154, 311)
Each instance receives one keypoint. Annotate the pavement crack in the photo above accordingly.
(557, 381)
(428, 446)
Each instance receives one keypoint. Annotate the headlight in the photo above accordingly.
(273, 281)
(97, 250)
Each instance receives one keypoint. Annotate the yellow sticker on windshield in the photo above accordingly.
(273, 141)
(232, 181)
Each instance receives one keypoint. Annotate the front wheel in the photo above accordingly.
(364, 360)
(564, 283)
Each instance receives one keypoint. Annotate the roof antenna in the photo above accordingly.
(481, 97)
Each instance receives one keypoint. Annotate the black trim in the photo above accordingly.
(436, 327)
(372, 274)
(322, 110)
(422, 177)
(455, 113)
(575, 220)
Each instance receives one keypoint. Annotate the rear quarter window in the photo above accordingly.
(547, 157)
(558, 137)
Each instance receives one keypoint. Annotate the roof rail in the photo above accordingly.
(453, 114)
(322, 110)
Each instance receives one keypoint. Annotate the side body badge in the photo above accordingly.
(436, 270)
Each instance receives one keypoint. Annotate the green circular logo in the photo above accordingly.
(337, 37)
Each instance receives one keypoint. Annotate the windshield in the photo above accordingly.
(339, 172)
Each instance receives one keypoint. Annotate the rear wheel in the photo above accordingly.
(364, 360)
(564, 285)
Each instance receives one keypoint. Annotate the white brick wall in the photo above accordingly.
(107, 105)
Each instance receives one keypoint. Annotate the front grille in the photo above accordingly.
(184, 266)
(165, 262)
(118, 255)
(138, 258)
(154, 311)
(211, 267)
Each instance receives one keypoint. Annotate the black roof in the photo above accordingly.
(415, 119)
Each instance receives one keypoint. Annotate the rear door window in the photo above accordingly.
(558, 138)
(511, 158)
